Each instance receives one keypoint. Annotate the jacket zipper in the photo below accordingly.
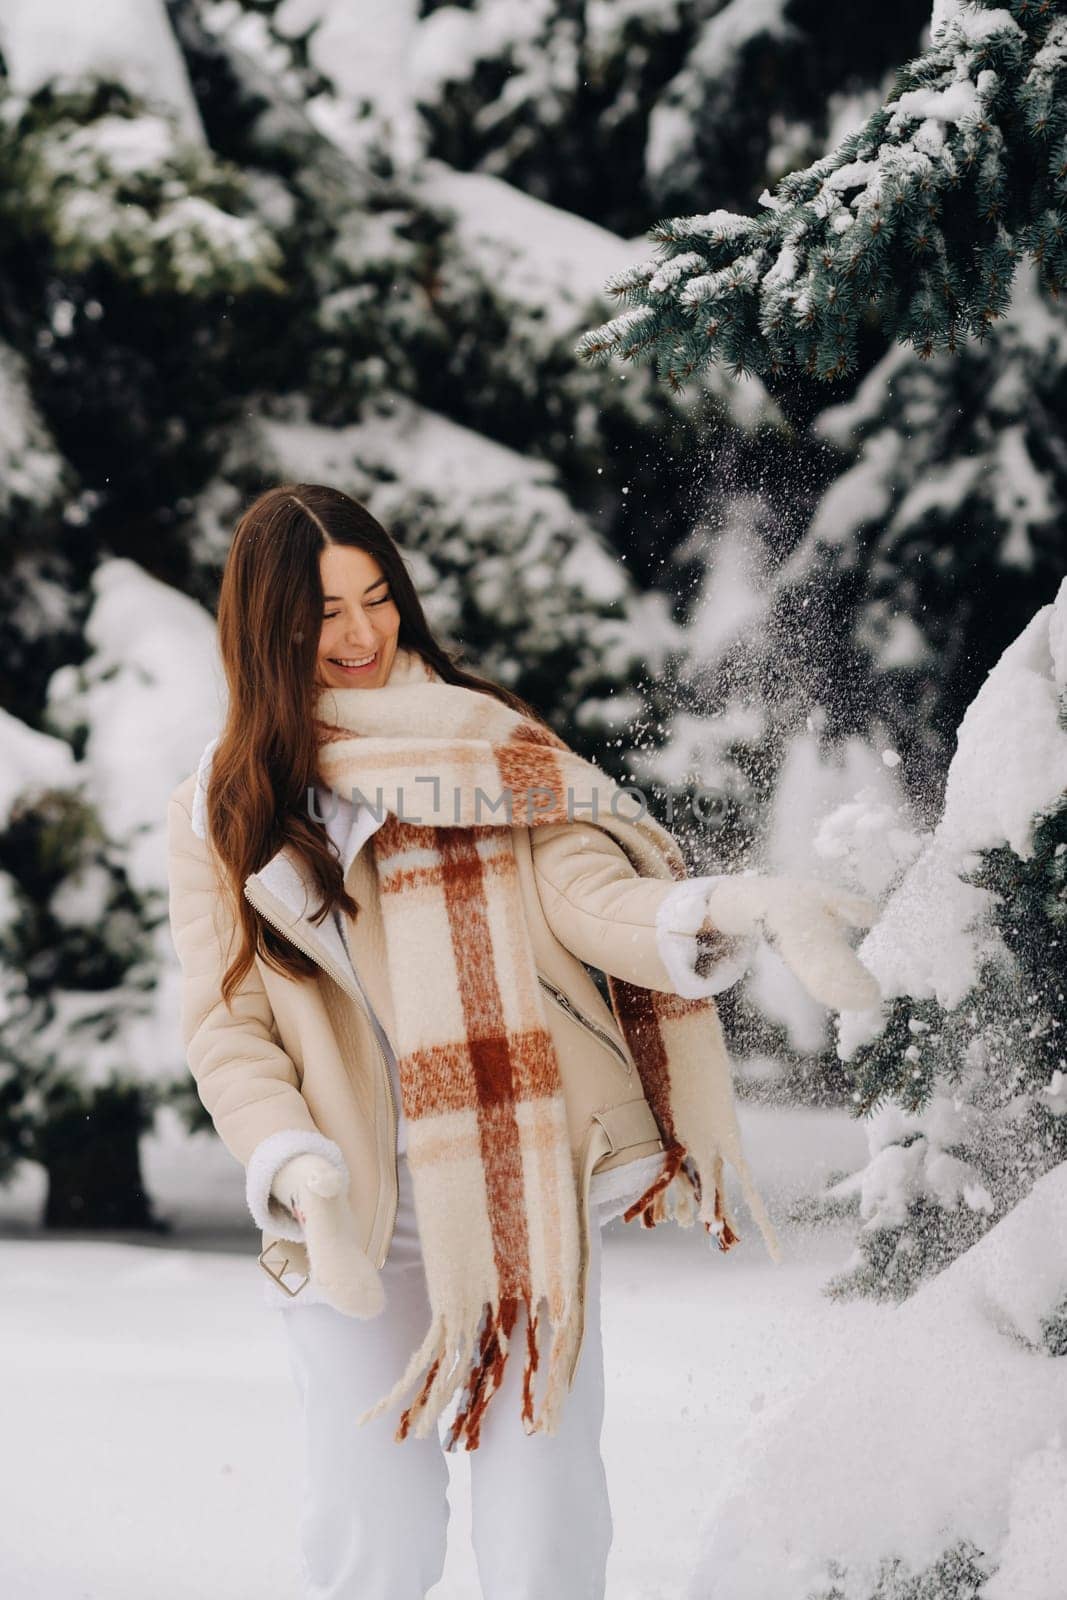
(340, 978)
(564, 1000)
(381, 1057)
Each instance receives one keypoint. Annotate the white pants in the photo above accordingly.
(375, 1511)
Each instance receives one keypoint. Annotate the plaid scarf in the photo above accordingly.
(493, 1177)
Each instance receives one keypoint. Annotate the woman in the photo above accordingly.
(390, 1017)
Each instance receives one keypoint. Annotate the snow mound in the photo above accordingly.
(1010, 767)
(945, 1422)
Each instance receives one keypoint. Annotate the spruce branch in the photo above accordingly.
(923, 214)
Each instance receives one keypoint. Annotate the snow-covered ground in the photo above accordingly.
(756, 1431)
(152, 1428)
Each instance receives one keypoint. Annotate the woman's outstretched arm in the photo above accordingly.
(651, 931)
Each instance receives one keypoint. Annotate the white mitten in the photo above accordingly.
(801, 918)
(315, 1192)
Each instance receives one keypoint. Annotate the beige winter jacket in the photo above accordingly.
(298, 1065)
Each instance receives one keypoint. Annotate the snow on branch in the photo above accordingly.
(107, 180)
(923, 213)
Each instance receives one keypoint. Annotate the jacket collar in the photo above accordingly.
(284, 876)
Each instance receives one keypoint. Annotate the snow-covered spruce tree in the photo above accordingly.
(40, 609)
(90, 1031)
(963, 1073)
(77, 975)
(124, 242)
(111, 184)
(924, 212)
(626, 111)
(125, 251)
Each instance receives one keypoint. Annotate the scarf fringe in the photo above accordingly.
(446, 1362)
(679, 1192)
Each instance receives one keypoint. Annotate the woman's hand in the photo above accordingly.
(802, 919)
(315, 1192)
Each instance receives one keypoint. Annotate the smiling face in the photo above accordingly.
(360, 620)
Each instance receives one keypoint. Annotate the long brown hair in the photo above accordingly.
(266, 760)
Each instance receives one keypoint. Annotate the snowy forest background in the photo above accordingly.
(357, 242)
